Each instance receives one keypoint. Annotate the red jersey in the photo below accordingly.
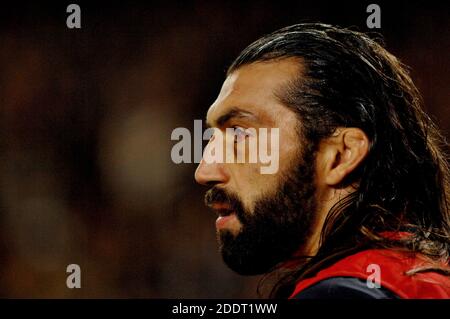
(393, 266)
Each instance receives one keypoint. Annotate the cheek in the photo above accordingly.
(247, 182)
(246, 178)
(257, 184)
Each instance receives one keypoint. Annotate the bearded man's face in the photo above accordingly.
(263, 218)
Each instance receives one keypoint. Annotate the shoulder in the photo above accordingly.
(344, 288)
(347, 277)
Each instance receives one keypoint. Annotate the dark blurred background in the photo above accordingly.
(85, 122)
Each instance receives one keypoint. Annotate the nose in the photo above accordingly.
(210, 173)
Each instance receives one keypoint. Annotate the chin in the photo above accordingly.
(244, 260)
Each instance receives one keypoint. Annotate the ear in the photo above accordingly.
(341, 154)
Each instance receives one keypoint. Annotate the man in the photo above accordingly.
(358, 207)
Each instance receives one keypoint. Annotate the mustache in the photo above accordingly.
(218, 196)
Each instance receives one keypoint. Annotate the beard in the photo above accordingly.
(275, 229)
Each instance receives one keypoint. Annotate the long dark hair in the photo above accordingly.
(350, 80)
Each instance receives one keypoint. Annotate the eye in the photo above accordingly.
(239, 134)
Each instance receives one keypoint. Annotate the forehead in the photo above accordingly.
(252, 88)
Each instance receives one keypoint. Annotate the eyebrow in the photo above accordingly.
(234, 112)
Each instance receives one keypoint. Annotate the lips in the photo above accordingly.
(222, 221)
(226, 216)
(221, 209)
